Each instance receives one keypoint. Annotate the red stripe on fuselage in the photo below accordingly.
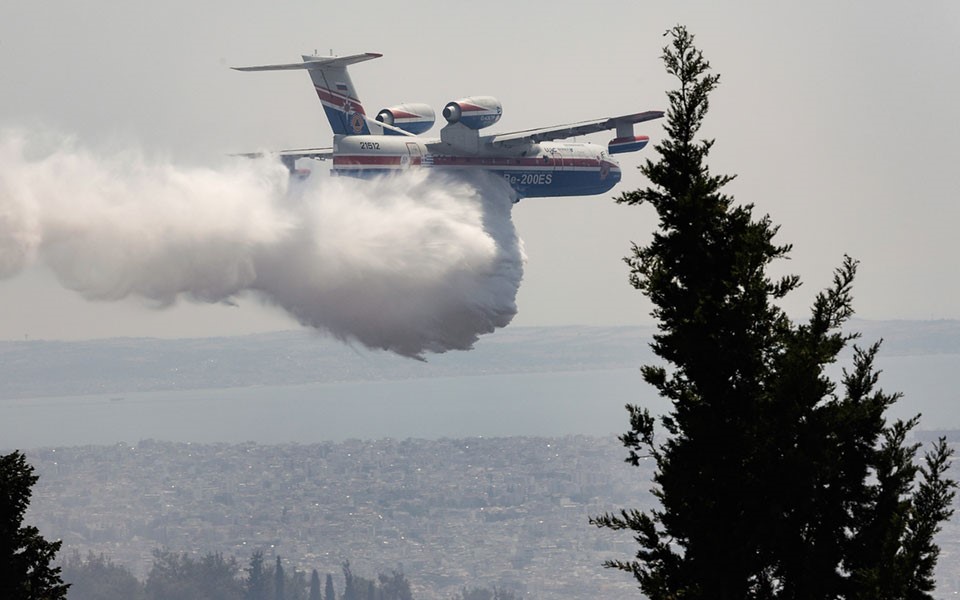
(366, 160)
(467, 161)
(514, 162)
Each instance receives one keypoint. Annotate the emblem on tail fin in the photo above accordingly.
(357, 122)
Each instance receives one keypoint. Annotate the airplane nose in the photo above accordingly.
(615, 173)
(612, 169)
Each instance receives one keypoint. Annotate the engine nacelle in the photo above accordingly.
(475, 112)
(414, 118)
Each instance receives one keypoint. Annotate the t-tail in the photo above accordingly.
(335, 90)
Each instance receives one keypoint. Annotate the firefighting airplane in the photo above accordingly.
(533, 164)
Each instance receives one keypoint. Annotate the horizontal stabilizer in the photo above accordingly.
(314, 62)
(334, 88)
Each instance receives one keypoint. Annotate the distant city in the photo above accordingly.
(509, 512)
(450, 514)
(448, 509)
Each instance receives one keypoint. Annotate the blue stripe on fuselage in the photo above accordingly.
(534, 183)
(546, 183)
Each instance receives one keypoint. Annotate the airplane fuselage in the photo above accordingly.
(531, 161)
(534, 170)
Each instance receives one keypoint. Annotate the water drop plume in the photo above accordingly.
(412, 263)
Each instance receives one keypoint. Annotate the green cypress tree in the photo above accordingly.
(279, 579)
(395, 586)
(26, 572)
(350, 587)
(315, 586)
(773, 481)
(328, 592)
(99, 578)
(256, 582)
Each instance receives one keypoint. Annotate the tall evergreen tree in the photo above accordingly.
(351, 590)
(297, 587)
(256, 583)
(773, 481)
(395, 586)
(328, 592)
(99, 578)
(176, 576)
(26, 572)
(315, 586)
(278, 581)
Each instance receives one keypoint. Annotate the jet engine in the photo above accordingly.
(475, 112)
(414, 117)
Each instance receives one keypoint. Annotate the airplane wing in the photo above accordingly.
(289, 158)
(314, 153)
(622, 123)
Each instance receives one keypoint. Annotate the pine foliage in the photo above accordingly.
(26, 558)
(773, 481)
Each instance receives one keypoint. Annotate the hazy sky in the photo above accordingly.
(838, 118)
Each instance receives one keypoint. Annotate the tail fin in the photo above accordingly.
(334, 87)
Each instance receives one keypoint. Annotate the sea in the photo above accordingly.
(547, 404)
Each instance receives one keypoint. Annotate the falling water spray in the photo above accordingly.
(411, 263)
